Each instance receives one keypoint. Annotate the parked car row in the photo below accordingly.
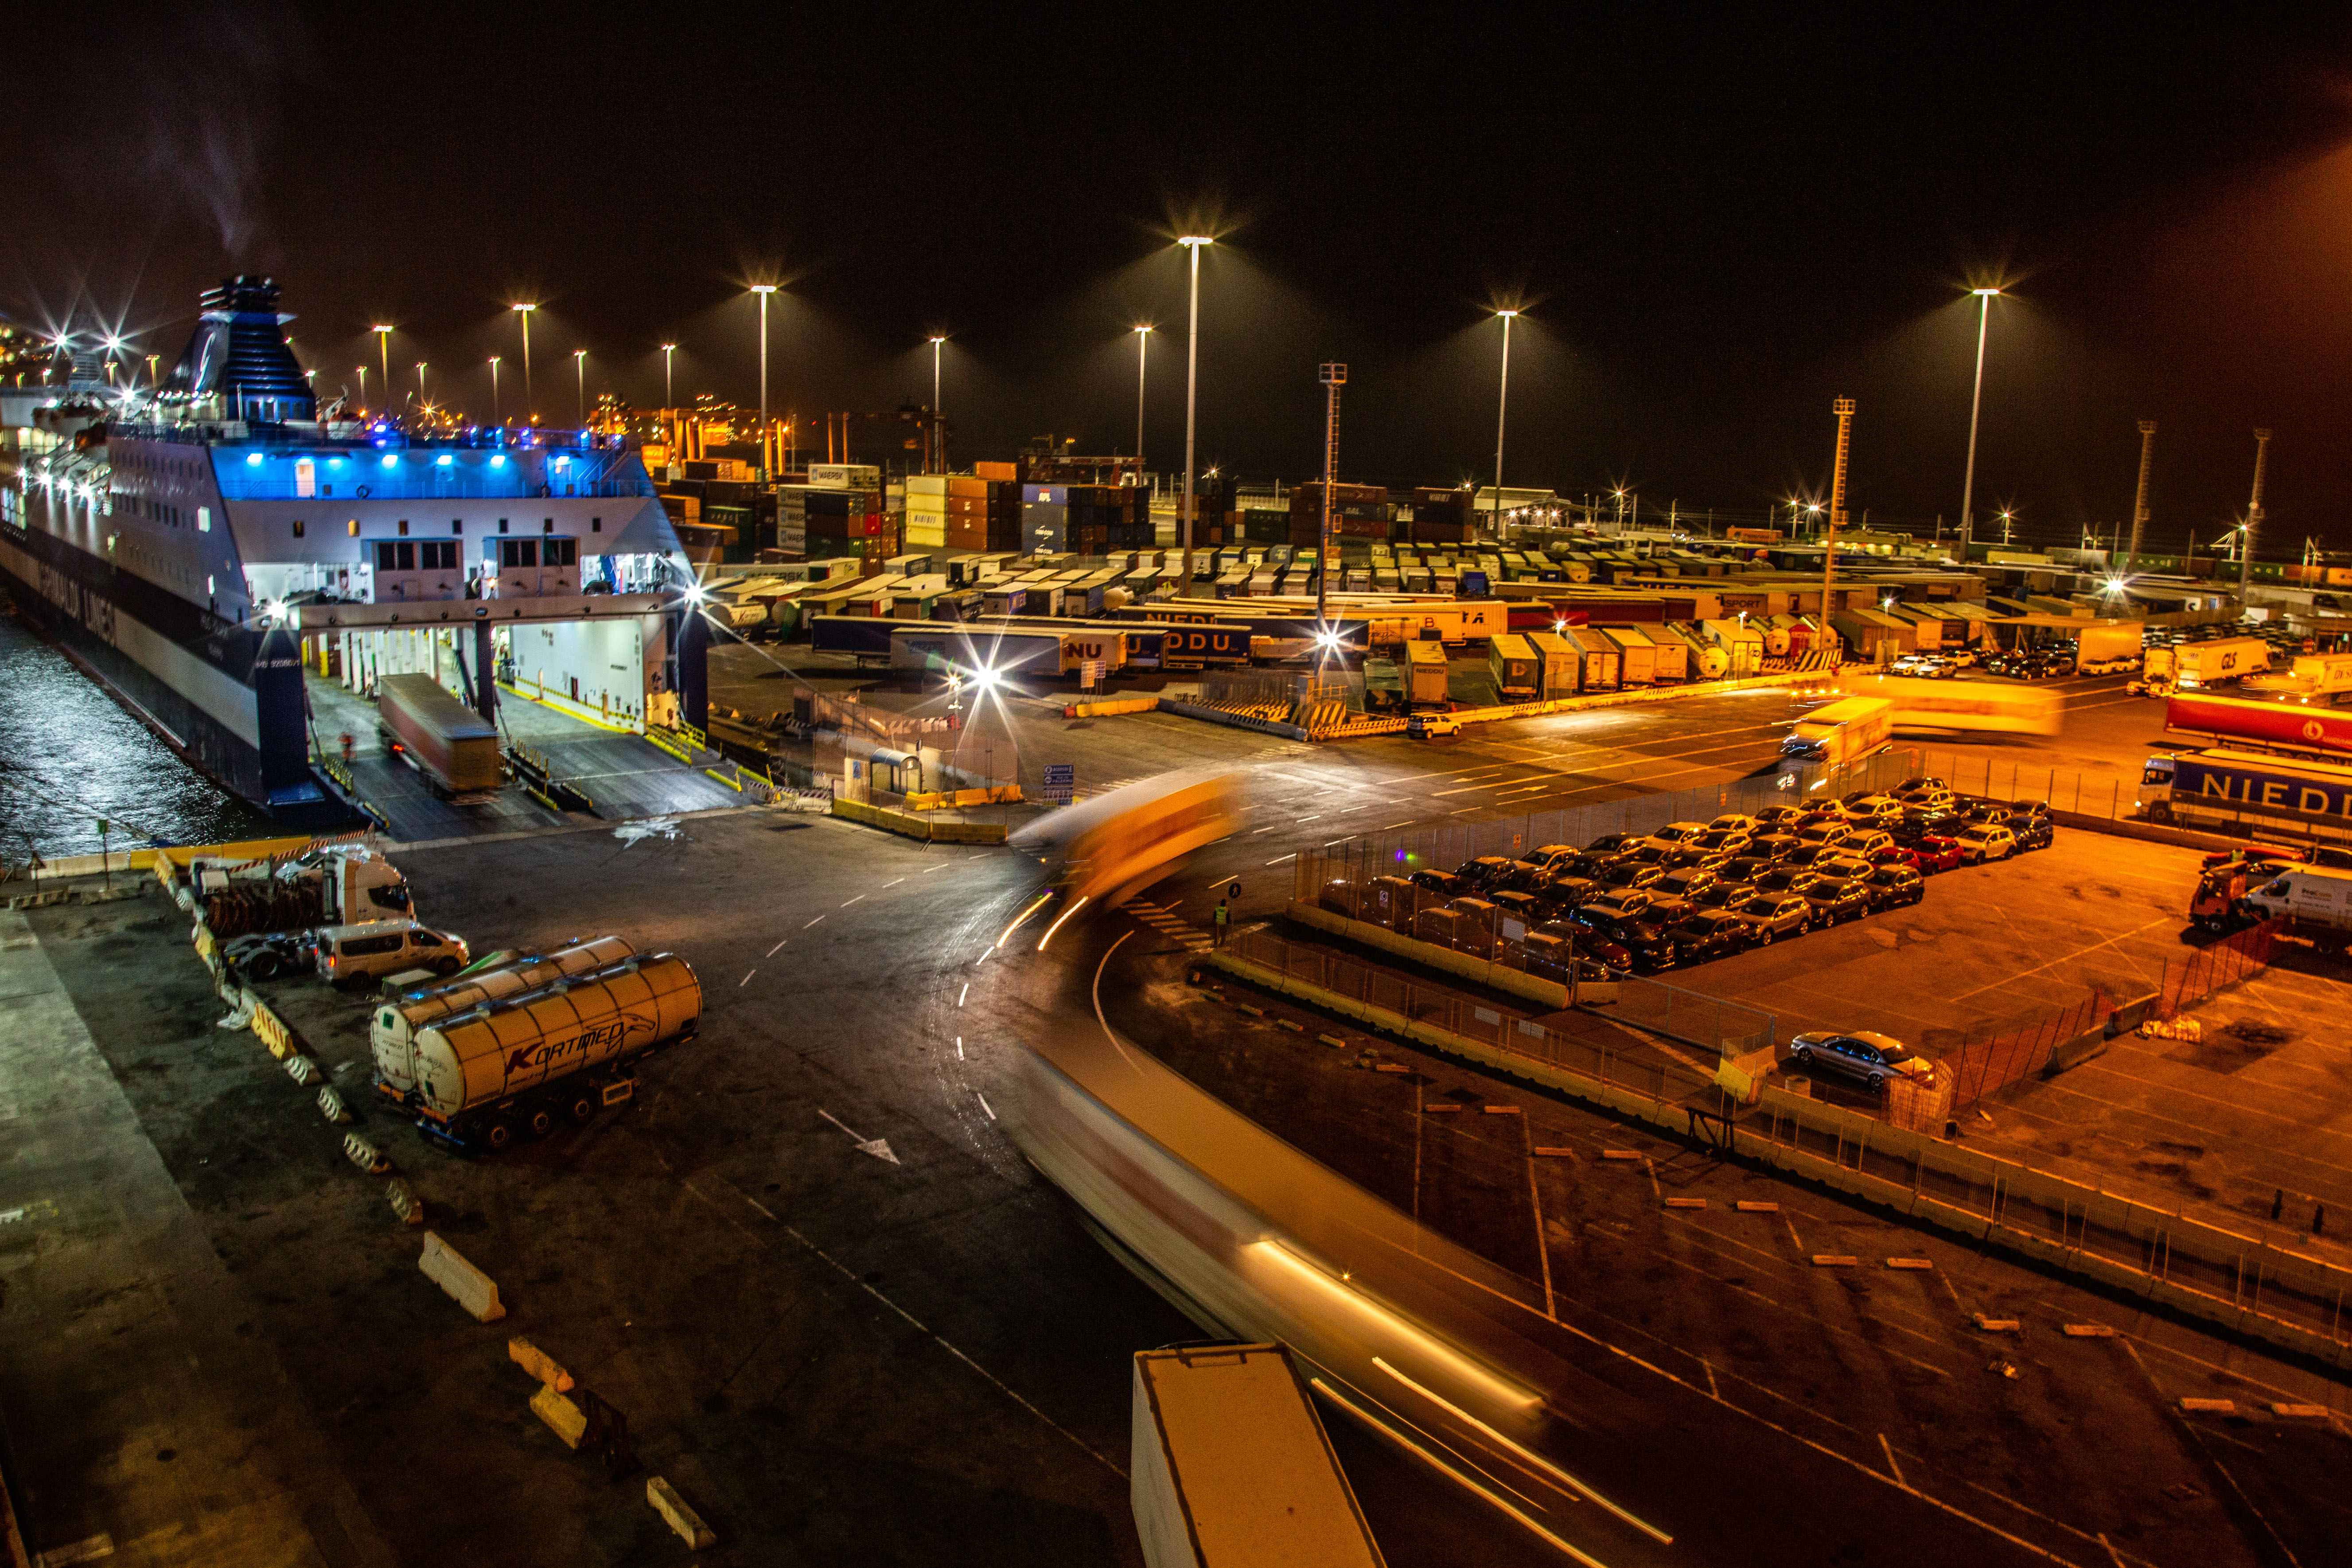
(1691, 891)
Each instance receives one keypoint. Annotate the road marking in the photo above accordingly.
(1317, 817)
(1715, 1392)
(895, 883)
(1292, 855)
(1408, 822)
(857, 900)
(983, 1103)
(2119, 936)
(877, 1147)
(964, 993)
(1792, 1232)
(959, 1048)
(1887, 1448)
(1255, 831)
(773, 951)
(812, 923)
(746, 977)
(941, 866)
(1328, 843)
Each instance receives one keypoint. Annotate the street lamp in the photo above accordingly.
(383, 344)
(524, 311)
(362, 372)
(1142, 354)
(763, 290)
(496, 418)
(939, 430)
(580, 364)
(669, 377)
(2008, 526)
(1194, 243)
(1502, 402)
(1976, 402)
(420, 384)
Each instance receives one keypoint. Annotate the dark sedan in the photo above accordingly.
(1888, 886)
(1704, 934)
(1631, 873)
(1835, 899)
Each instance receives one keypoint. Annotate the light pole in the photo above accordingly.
(1193, 243)
(2253, 515)
(669, 375)
(1502, 402)
(496, 418)
(1142, 354)
(938, 429)
(1333, 376)
(150, 371)
(763, 290)
(528, 406)
(363, 373)
(384, 344)
(580, 364)
(420, 385)
(1976, 402)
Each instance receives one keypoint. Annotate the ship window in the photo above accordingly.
(391, 555)
(548, 527)
(596, 525)
(352, 528)
(404, 527)
(561, 552)
(518, 552)
(503, 525)
(203, 519)
(456, 525)
(438, 555)
(298, 528)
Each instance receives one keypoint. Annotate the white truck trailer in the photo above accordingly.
(1230, 1467)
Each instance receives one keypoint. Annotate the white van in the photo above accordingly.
(355, 954)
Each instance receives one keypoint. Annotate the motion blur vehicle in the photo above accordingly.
(1704, 934)
(1835, 899)
(1979, 842)
(1866, 1058)
(1889, 885)
(2252, 855)
(1117, 845)
(1770, 916)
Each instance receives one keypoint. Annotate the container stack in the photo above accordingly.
(1084, 520)
(983, 513)
(1443, 517)
(927, 510)
(1357, 511)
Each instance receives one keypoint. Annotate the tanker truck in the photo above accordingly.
(501, 1069)
(392, 1028)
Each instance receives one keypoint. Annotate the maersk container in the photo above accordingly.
(392, 1030)
(485, 1075)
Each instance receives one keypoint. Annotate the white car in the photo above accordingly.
(1980, 842)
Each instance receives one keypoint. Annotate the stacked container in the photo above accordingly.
(1084, 520)
(1443, 517)
(1357, 511)
(927, 510)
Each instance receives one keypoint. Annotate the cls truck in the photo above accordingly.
(454, 747)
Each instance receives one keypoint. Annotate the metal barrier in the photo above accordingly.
(2223, 963)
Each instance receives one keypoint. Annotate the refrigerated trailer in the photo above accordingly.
(454, 747)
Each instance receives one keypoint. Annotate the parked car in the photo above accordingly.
(1707, 934)
(1770, 916)
(1867, 842)
(1983, 841)
(1864, 809)
(1688, 883)
(1868, 1058)
(1624, 906)
(1737, 822)
(1784, 880)
(1433, 726)
(1566, 892)
(1743, 867)
(1897, 855)
(1918, 784)
(1631, 873)
(1588, 938)
(1775, 817)
(1772, 846)
(1723, 895)
(1724, 842)
(1677, 832)
(1485, 871)
(266, 955)
(1615, 844)
(1835, 899)
(1933, 852)
(1809, 857)
(352, 955)
(1443, 883)
(1824, 831)
(1524, 907)
(1888, 886)
(1552, 857)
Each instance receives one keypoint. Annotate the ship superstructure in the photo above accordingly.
(201, 542)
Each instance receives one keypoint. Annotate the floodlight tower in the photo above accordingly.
(2139, 502)
(2253, 516)
(1193, 243)
(1334, 377)
(1843, 409)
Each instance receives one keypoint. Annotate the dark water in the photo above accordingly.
(69, 754)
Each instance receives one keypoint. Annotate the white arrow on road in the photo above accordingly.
(877, 1147)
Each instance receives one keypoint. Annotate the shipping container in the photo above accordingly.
(1516, 666)
(1426, 672)
(1602, 663)
(1563, 667)
(1636, 656)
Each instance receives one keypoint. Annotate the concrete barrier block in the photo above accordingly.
(302, 1069)
(1541, 1152)
(1750, 1205)
(1996, 1325)
(1910, 1263)
(681, 1518)
(364, 1154)
(2211, 1406)
(539, 1364)
(2088, 1331)
(2301, 1412)
(1296, 1028)
(330, 1104)
(405, 1202)
(1687, 1202)
(1835, 1260)
(2075, 1052)
(563, 1417)
(2132, 1013)
(1621, 1153)
(1333, 1040)
(466, 1285)
(1444, 1108)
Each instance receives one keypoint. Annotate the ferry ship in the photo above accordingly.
(201, 542)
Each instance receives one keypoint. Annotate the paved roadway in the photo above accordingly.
(923, 1357)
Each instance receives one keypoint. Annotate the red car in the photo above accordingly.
(1897, 855)
(2250, 856)
(1933, 852)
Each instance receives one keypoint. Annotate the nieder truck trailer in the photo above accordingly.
(504, 1069)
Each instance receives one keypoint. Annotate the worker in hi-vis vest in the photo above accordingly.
(1224, 917)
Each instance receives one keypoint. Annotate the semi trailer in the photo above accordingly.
(392, 1028)
(513, 1068)
(454, 747)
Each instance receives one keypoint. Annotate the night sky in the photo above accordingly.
(1716, 228)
